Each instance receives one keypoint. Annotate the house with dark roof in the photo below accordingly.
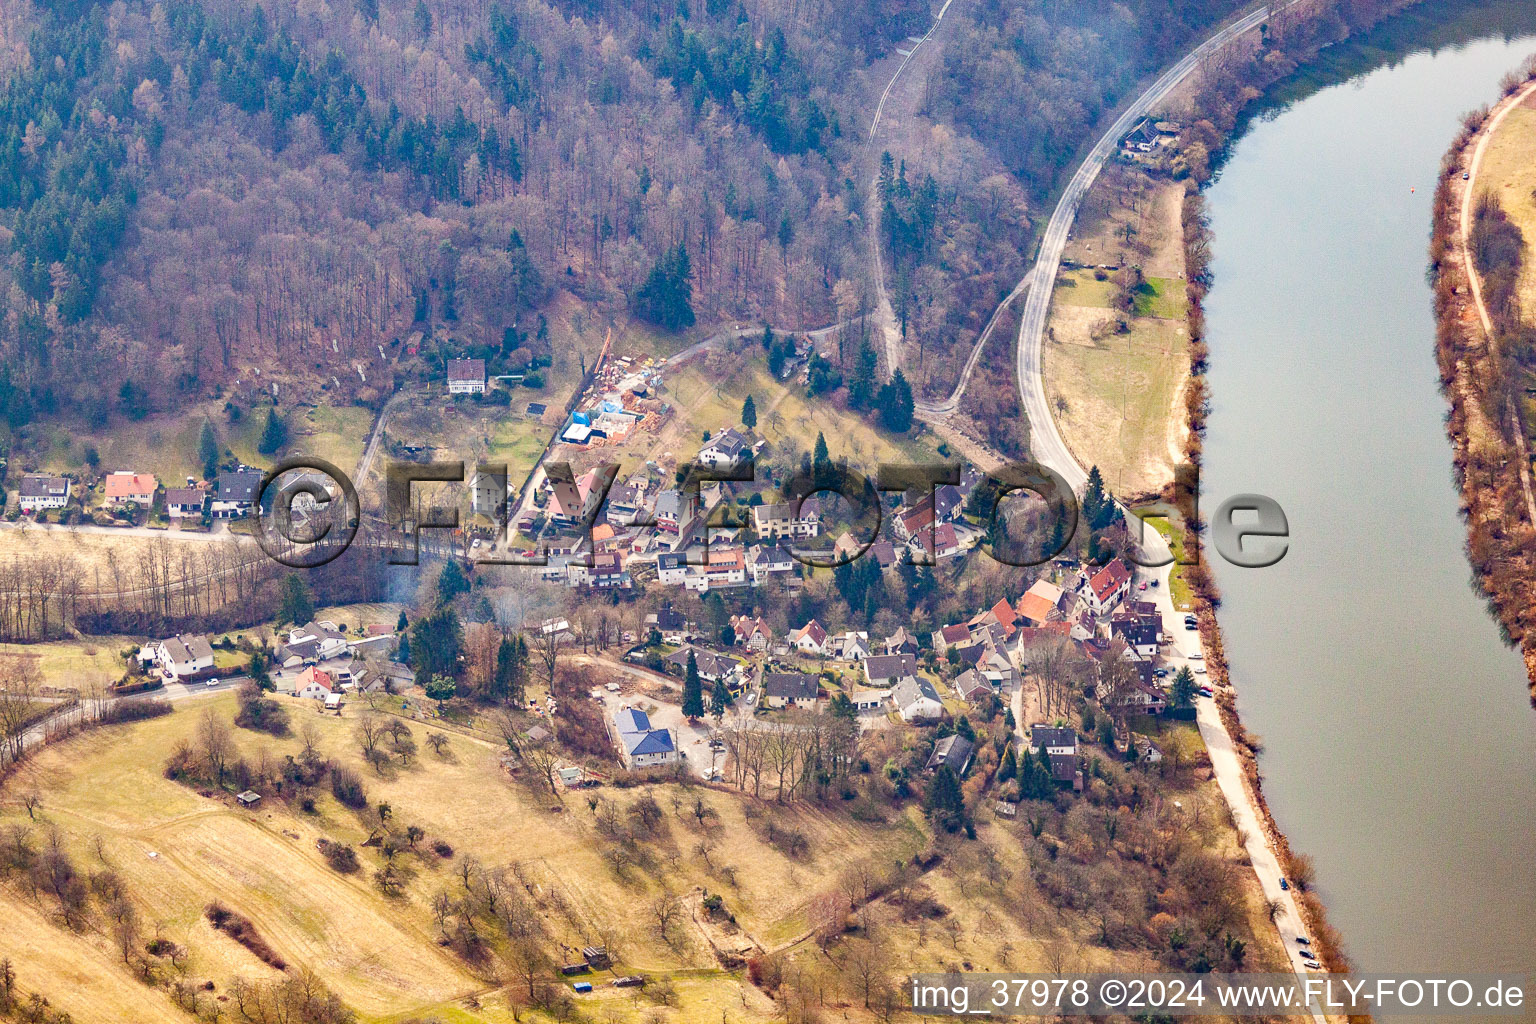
(901, 642)
(466, 376)
(781, 689)
(43, 492)
(972, 685)
(1055, 739)
(887, 669)
(952, 752)
(768, 561)
(711, 666)
(235, 496)
(884, 552)
(1064, 771)
(643, 745)
(727, 448)
(185, 502)
(671, 568)
(1140, 636)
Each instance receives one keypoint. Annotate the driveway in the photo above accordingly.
(692, 740)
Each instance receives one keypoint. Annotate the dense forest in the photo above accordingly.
(207, 197)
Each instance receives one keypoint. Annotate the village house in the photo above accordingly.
(953, 752)
(1055, 739)
(1040, 603)
(605, 573)
(1065, 772)
(185, 502)
(848, 646)
(916, 700)
(1140, 698)
(40, 493)
(123, 488)
(311, 642)
(628, 503)
(886, 669)
(768, 561)
(488, 492)
(1000, 614)
(314, 684)
(671, 568)
(1104, 589)
(673, 509)
(810, 638)
(943, 541)
(724, 567)
(772, 522)
(884, 552)
(466, 376)
(911, 520)
(972, 685)
(901, 642)
(643, 745)
(1140, 636)
(572, 501)
(751, 633)
(957, 635)
(671, 624)
(727, 448)
(781, 689)
(180, 657)
(235, 496)
(711, 666)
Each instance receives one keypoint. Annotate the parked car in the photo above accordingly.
(1197, 656)
(1302, 940)
(1206, 691)
(212, 682)
(1284, 884)
(1199, 670)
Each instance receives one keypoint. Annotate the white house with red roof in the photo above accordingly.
(810, 638)
(1106, 587)
(314, 683)
(123, 488)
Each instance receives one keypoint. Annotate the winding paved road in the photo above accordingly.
(1045, 439)
(1049, 449)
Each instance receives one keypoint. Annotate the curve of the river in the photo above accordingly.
(1400, 744)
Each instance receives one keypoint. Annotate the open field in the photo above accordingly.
(175, 850)
(1129, 218)
(72, 663)
(1116, 397)
(1509, 170)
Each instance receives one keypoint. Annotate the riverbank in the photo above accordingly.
(1217, 110)
(1487, 431)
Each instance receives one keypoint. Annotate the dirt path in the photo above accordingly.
(1468, 188)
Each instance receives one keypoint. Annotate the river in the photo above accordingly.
(1400, 745)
